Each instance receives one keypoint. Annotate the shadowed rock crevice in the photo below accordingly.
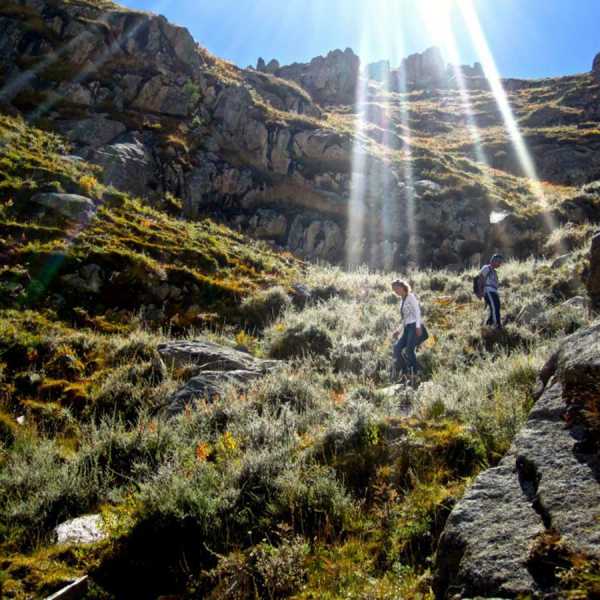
(529, 480)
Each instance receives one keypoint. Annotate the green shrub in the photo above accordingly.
(313, 501)
(265, 307)
(265, 571)
(39, 489)
(114, 456)
(300, 340)
(290, 387)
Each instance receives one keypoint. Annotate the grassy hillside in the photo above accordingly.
(313, 483)
(188, 268)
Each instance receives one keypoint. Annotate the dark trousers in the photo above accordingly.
(492, 301)
(405, 359)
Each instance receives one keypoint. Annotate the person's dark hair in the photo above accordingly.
(497, 257)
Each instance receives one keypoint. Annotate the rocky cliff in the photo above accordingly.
(285, 153)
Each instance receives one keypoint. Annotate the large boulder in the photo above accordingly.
(214, 367)
(209, 356)
(127, 165)
(69, 206)
(546, 488)
(593, 279)
(208, 385)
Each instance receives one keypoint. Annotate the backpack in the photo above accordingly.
(478, 285)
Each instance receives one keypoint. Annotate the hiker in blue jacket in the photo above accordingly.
(488, 284)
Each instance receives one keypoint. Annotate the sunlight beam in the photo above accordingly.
(489, 66)
(436, 15)
(407, 189)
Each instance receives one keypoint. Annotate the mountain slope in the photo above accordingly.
(135, 323)
(163, 116)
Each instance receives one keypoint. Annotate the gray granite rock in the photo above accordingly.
(216, 367)
(549, 480)
(208, 385)
(93, 132)
(209, 356)
(127, 165)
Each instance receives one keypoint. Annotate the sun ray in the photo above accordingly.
(355, 240)
(475, 31)
(406, 185)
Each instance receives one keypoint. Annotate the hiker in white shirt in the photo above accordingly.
(413, 332)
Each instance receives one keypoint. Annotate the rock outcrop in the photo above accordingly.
(596, 67)
(422, 69)
(593, 278)
(330, 79)
(263, 149)
(426, 71)
(546, 490)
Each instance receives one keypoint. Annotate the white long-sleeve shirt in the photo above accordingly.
(410, 310)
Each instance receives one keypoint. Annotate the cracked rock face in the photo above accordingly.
(329, 79)
(548, 482)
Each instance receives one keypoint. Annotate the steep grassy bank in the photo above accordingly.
(63, 264)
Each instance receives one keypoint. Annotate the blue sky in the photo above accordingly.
(528, 38)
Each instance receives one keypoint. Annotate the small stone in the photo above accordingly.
(82, 530)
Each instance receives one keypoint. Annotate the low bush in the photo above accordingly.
(38, 490)
(299, 341)
(263, 308)
(264, 571)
